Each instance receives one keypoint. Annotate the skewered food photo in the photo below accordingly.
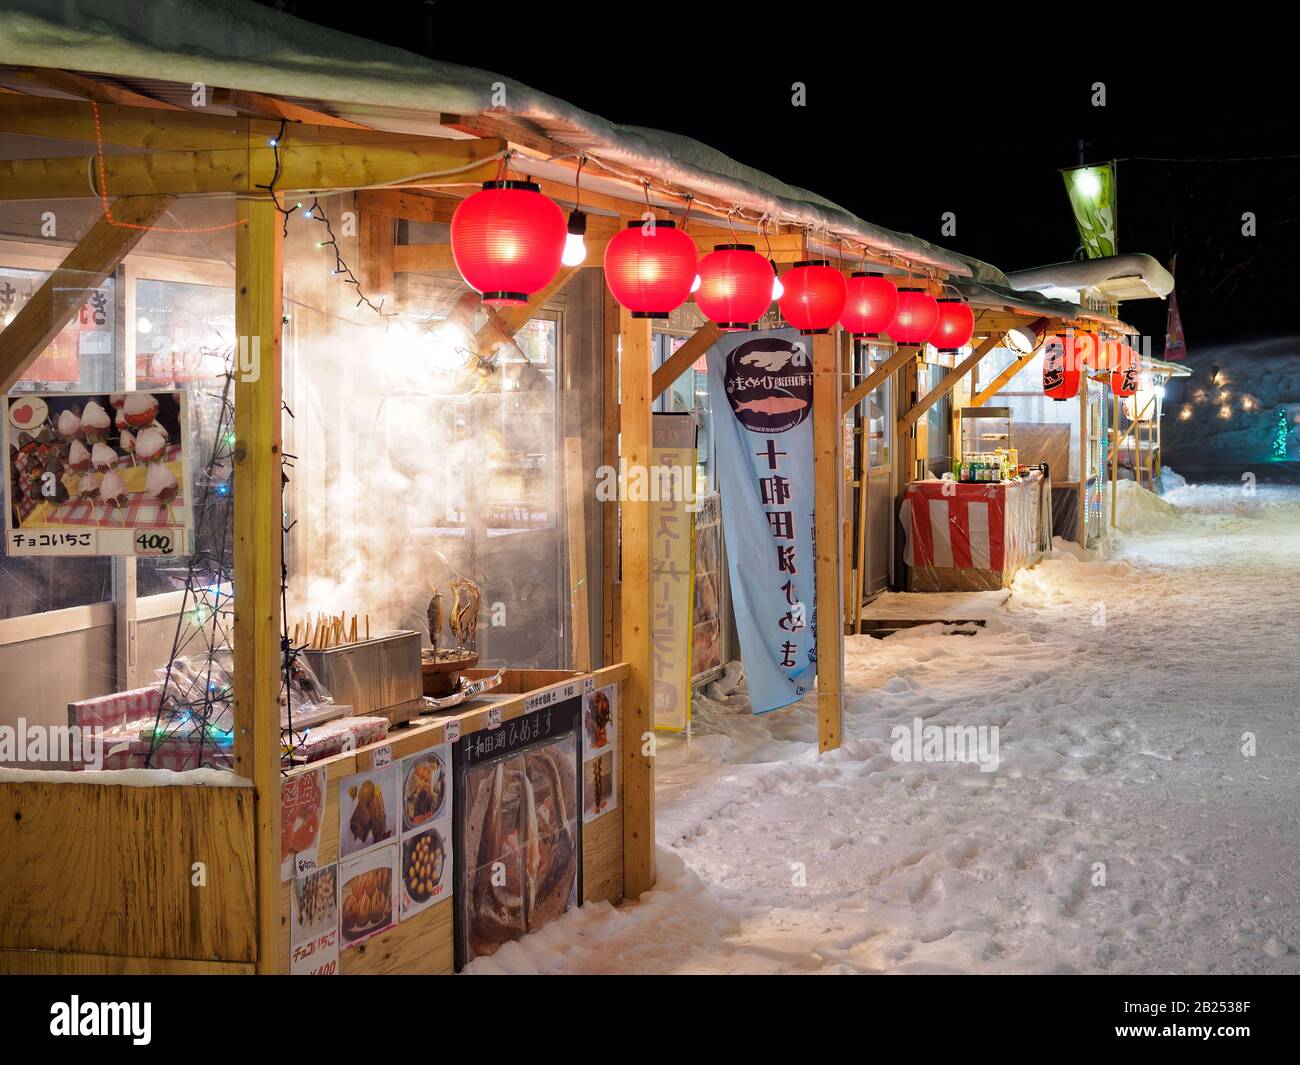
(367, 809)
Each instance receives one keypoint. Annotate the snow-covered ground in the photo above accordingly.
(1123, 688)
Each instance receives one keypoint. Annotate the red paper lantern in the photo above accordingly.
(916, 317)
(872, 301)
(954, 326)
(735, 286)
(1124, 375)
(650, 268)
(1062, 372)
(507, 240)
(814, 297)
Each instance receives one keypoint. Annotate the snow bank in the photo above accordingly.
(1138, 510)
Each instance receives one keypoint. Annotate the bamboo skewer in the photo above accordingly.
(322, 632)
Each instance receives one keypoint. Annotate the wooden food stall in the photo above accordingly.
(275, 370)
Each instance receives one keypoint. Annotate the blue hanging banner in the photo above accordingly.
(760, 395)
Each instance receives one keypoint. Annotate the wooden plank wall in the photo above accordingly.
(101, 869)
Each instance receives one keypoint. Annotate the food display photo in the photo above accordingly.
(366, 900)
(426, 869)
(112, 468)
(522, 841)
(426, 787)
(599, 744)
(315, 903)
(302, 803)
(368, 805)
(427, 830)
(598, 785)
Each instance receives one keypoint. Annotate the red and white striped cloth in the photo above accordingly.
(991, 528)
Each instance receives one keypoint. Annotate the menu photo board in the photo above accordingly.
(518, 826)
(98, 474)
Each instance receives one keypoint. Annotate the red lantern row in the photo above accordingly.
(1065, 359)
(508, 240)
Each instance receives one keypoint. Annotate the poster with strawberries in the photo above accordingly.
(302, 803)
(98, 474)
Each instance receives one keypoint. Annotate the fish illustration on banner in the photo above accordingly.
(760, 393)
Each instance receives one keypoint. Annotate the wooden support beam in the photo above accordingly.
(422, 258)
(828, 473)
(53, 305)
(244, 170)
(259, 271)
(407, 204)
(950, 378)
(995, 386)
(263, 106)
(376, 241)
(639, 873)
(502, 325)
(680, 360)
(182, 131)
(106, 92)
(879, 375)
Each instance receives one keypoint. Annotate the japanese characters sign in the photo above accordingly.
(672, 519)
(760, 391)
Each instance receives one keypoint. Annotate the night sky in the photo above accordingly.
(977, 120)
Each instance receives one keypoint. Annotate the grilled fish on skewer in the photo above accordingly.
(433, 618)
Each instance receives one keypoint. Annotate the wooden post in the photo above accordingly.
(575, 508)
(610, 609)
(259, 266)
(828, 472)
(638, 694)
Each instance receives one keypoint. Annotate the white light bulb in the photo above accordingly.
(575, 250)
(778, 289)
(143, 325)
(695, 285)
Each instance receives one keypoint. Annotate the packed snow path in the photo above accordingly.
(1123, 690)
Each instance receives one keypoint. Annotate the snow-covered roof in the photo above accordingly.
(240, 45)
(1116, 277)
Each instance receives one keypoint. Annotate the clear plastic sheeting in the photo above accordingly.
(971, 537)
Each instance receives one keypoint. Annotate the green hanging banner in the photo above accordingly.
(1092, 196)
